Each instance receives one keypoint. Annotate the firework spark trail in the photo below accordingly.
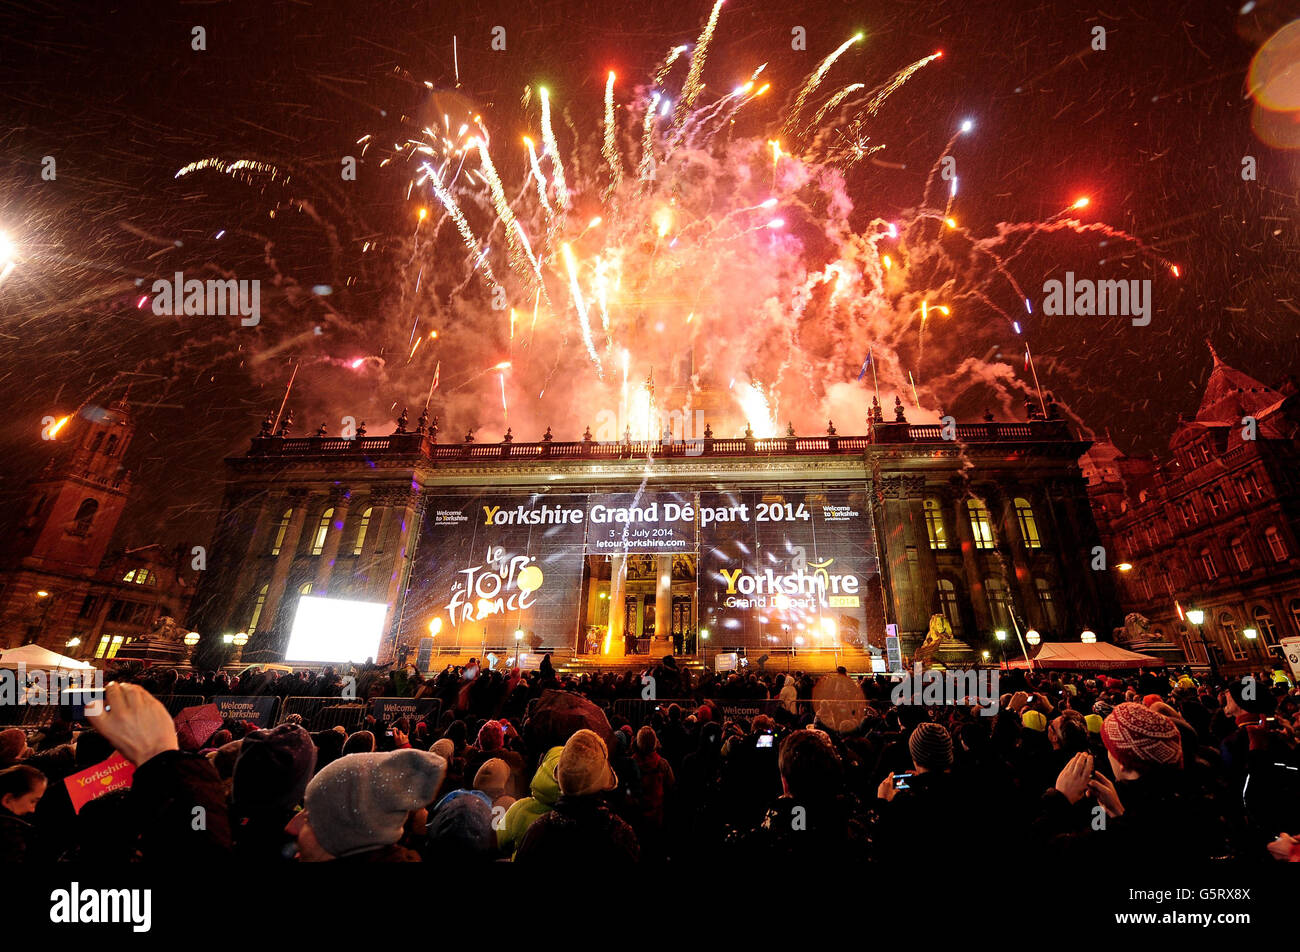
(449, 203)
(831, 103)
(551, 149)
(692, 87)
(645, 169)
(663, 70)
(814, 80)
(581, 306)
(869, 105)
(611, 153)
(521, 254)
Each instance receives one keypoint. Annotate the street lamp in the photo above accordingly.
(1001, 636)
(1088, 637)
(1197, 617)
(1250, 634)
(1033, 637)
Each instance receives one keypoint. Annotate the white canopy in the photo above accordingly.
(37, 658)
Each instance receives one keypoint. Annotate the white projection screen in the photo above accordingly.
(336, 630)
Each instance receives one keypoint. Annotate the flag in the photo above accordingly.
(864, 366)
(436, 370)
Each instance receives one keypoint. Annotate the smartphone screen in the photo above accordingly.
(902, 781)
(764, 740)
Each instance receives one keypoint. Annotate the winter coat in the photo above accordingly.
(523, 813)
(580, 831)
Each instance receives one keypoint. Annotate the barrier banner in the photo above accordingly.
(257, 710)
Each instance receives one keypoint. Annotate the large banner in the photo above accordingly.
(619, 523)
(775, 567)
(491, 563)
(781, 569)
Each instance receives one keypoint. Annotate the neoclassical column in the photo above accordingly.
(979, 601)
(407, 507)
(246, 575)
(617, 610)
(298, 499)
(662, 643)
(339, 500)
(1018, 556)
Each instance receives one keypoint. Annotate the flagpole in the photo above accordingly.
(1037, 385)
(286, 396)
(875, 384)
(432, 383)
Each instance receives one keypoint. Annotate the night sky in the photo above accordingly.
(1153, 130)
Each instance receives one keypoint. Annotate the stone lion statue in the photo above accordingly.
(939, 630)
(1136, 629)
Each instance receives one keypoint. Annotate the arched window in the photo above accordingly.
(981, 523)
(85, 516)
(1047, 603)
(112, 445)
(948, 603)
(1207, 565)
(362, 529)
(94, 444)
(1264, 625)
(1239, 554)
(280, 530)
(322, 530)
(258, 604)
(1028, 525)
(1276, 544)
(305, 588)
(999, 603)
(1228, 625)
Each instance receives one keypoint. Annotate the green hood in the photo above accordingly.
(522, 813)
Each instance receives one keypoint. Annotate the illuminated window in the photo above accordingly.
(1207, 565)
(934, 525)
(999, 603)
(322, 530)
(981, 522)
(361, 531)
(1028, 525)
(1239, 554)
(948, 603)
(1276, 544)
(140, 576)
(1228, 624)
(257, 609)
(108, 646)
(280, 530)
(1264, 624)
(305, 588)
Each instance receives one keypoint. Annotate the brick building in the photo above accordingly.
(1214, 526)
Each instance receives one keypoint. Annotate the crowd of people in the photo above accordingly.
(548, 769)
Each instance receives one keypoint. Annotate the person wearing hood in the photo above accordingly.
(581, 830)
(523, 813)
(357, 808)
(269, 782)
(493, 778)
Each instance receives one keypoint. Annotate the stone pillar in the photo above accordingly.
(406, 507)
(339, 500)
(283, 563)
(250, 563)
(979, 601)
(1018, 557)
(617, 593)
(662, 643)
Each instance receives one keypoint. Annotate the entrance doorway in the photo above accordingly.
(641, 583)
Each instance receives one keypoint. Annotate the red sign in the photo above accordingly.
(113, 774)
